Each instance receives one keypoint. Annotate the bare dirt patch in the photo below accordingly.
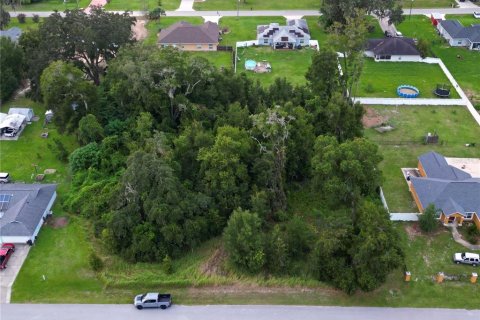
(372, 118)
(57, 222)
(256, 289)
(413, 230)
(214, 265)
(139, 30)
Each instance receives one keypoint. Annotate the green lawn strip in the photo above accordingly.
(29, 24)
(244, 28)
(402, 146)
(154, 27)
(61, 255)
(317, 31)
(52, 5)
(17, 157)
(291, 64)
(146, 5)
(220, 59)
(465, 19)
(426, 4)
(256, 5)
(381, 79)
(466, 69)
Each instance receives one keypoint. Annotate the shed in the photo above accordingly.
(27, 112)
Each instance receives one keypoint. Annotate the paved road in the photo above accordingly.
(264, 13)
(223, 312)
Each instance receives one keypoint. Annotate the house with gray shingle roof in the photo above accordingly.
(294, 34)
(459, 36)
(393, 49)
(185, 36)
(454, 192)
(23, 208)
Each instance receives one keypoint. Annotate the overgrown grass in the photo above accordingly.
(291, 64)
(52, 5)
(141, 5)
(381, 79)
(401, 147)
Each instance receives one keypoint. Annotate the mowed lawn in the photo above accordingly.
(18, 157)
(290, 64)
(426, 4)
(244, 28)
(51, 5)
(462, 63)
(381, 79)
(402, 146)
(141, 5)
(214, 5)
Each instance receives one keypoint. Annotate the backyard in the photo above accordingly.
(291, 64)
(401, 147)
(462, 63)
(381, 79)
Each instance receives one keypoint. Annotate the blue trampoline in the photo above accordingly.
(250, 64)
(407, 91)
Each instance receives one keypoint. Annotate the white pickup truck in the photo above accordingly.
(152, 300)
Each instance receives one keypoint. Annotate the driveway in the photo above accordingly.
(8, 275)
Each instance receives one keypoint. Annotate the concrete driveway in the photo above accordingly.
(8, 275)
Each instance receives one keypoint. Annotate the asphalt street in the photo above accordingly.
(264, 13)
(224, 312)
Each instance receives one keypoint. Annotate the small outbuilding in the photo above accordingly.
(27, 112)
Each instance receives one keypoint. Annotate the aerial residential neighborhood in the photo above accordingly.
(239, 160)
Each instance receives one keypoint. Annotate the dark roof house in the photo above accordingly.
(458, 35)
(394, 48)
(450, 189)
(22, 210)
(185, 35)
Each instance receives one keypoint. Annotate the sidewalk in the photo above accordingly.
(95, 3)
(458, 238)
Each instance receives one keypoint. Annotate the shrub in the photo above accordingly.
(167, 265)
(369, 88)
(95, 262)
(473, 234)
(36, 18)
(156, 13)
(21, 18)
(59, 149)
(428, 220)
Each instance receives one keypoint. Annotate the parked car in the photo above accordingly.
(4, 177)
(467, 258)
(477, 14)
(6, 251)
(10, 133)
(153, 300)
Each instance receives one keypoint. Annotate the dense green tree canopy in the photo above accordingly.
(11, 66)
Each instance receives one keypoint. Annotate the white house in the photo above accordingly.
(294, 34)
(23, 208)
(459, 36)
(393, 49)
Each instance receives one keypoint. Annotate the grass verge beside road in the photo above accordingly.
(140, 5)
(51, 5)
(214, 5)
(401, 147)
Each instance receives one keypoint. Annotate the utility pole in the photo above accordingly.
(238, 8)
(411, 5)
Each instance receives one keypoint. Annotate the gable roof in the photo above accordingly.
(436, 166)
(395, 46)
(457, 31)
(184, 32)
(26, 207)
(12, 33)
